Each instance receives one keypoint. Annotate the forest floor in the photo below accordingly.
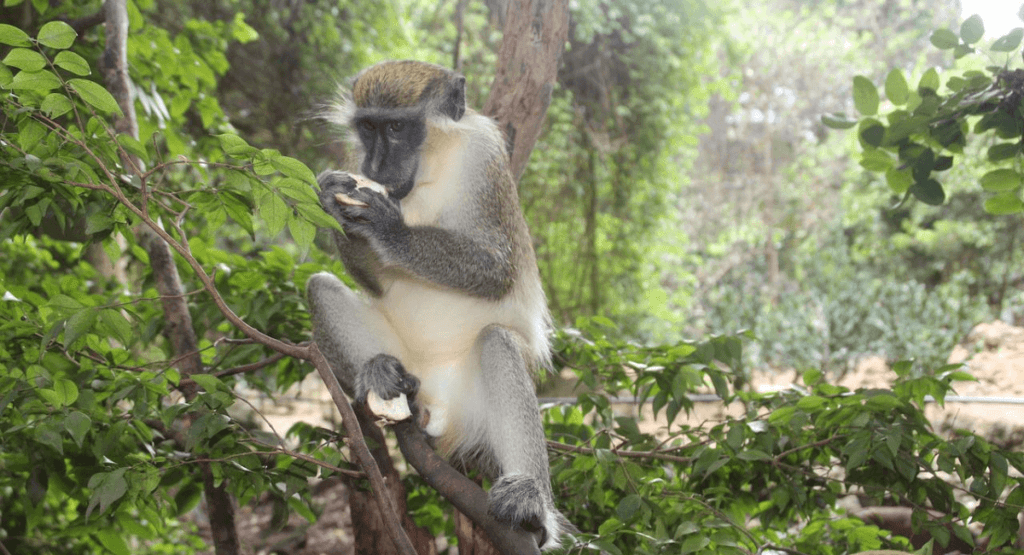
(993, 353)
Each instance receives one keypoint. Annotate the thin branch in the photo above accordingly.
(358, 447)
(250, 367)
(83, 24)
(656, 455)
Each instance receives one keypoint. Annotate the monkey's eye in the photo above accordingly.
(366, 125)
(396, 126)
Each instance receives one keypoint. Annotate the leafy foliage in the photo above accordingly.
(99, 448)
(929, 126)
(763, 475)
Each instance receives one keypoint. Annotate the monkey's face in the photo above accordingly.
(391, 144)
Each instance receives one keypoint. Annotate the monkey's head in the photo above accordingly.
(393, 103)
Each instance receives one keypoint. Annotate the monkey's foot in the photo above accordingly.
(518, 500)
(385, 376)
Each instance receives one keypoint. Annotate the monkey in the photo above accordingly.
(452, 314)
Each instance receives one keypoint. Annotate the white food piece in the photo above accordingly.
(345, 199)
(395, 410)
(361, 183)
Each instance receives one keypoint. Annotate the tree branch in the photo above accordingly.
(357, 445)
(465, 495)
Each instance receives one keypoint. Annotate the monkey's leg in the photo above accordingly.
(521, 495)
(357, 341)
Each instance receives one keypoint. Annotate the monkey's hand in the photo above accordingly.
(361, 206)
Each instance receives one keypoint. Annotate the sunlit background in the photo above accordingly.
(999, 15)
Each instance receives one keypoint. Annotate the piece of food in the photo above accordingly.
(395, 410)
(361, 183)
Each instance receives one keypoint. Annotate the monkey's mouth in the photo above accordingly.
(400, 191)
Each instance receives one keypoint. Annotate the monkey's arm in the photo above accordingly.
(449, 258)
(360, 261)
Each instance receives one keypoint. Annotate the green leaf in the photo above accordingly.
(962, 50)
(810, 402)
(873, 135)
(40, 81)
(117, 325)
(77, 325)
(838, 121)
(929, 81)
(972, 29)
(187, 498)
(96, 96)
(63, 393)
(627, 507)
(49, 435)
(896, 88)
(302, 232)
(899, 180)
(944, 39)
(929, 192)
(1008, 42)
(236, 146)
(208, 382)
(865, 96)
(241, 31)
(753, 455)
(296, 189)
(72, 62)
(14, 36)
(1000, 180)
(113, 541)
(293, 168)
(132, 146)
(55, 105)
(25, 59)
(107, 487)
(273, 210)
(239, 211)
(875, 160)
(1004, 203)
(77, 424)
(57, 34)
(1003, 151)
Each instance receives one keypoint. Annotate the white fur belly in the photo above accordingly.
(433, 324)
(438, 330)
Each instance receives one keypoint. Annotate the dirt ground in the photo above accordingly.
(993, 353)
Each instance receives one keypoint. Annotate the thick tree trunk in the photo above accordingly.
(534, 38)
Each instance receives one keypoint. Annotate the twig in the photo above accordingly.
(357, 445)
(657, 455)
(250, 367)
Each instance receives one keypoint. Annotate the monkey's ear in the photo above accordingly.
(453, 104)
